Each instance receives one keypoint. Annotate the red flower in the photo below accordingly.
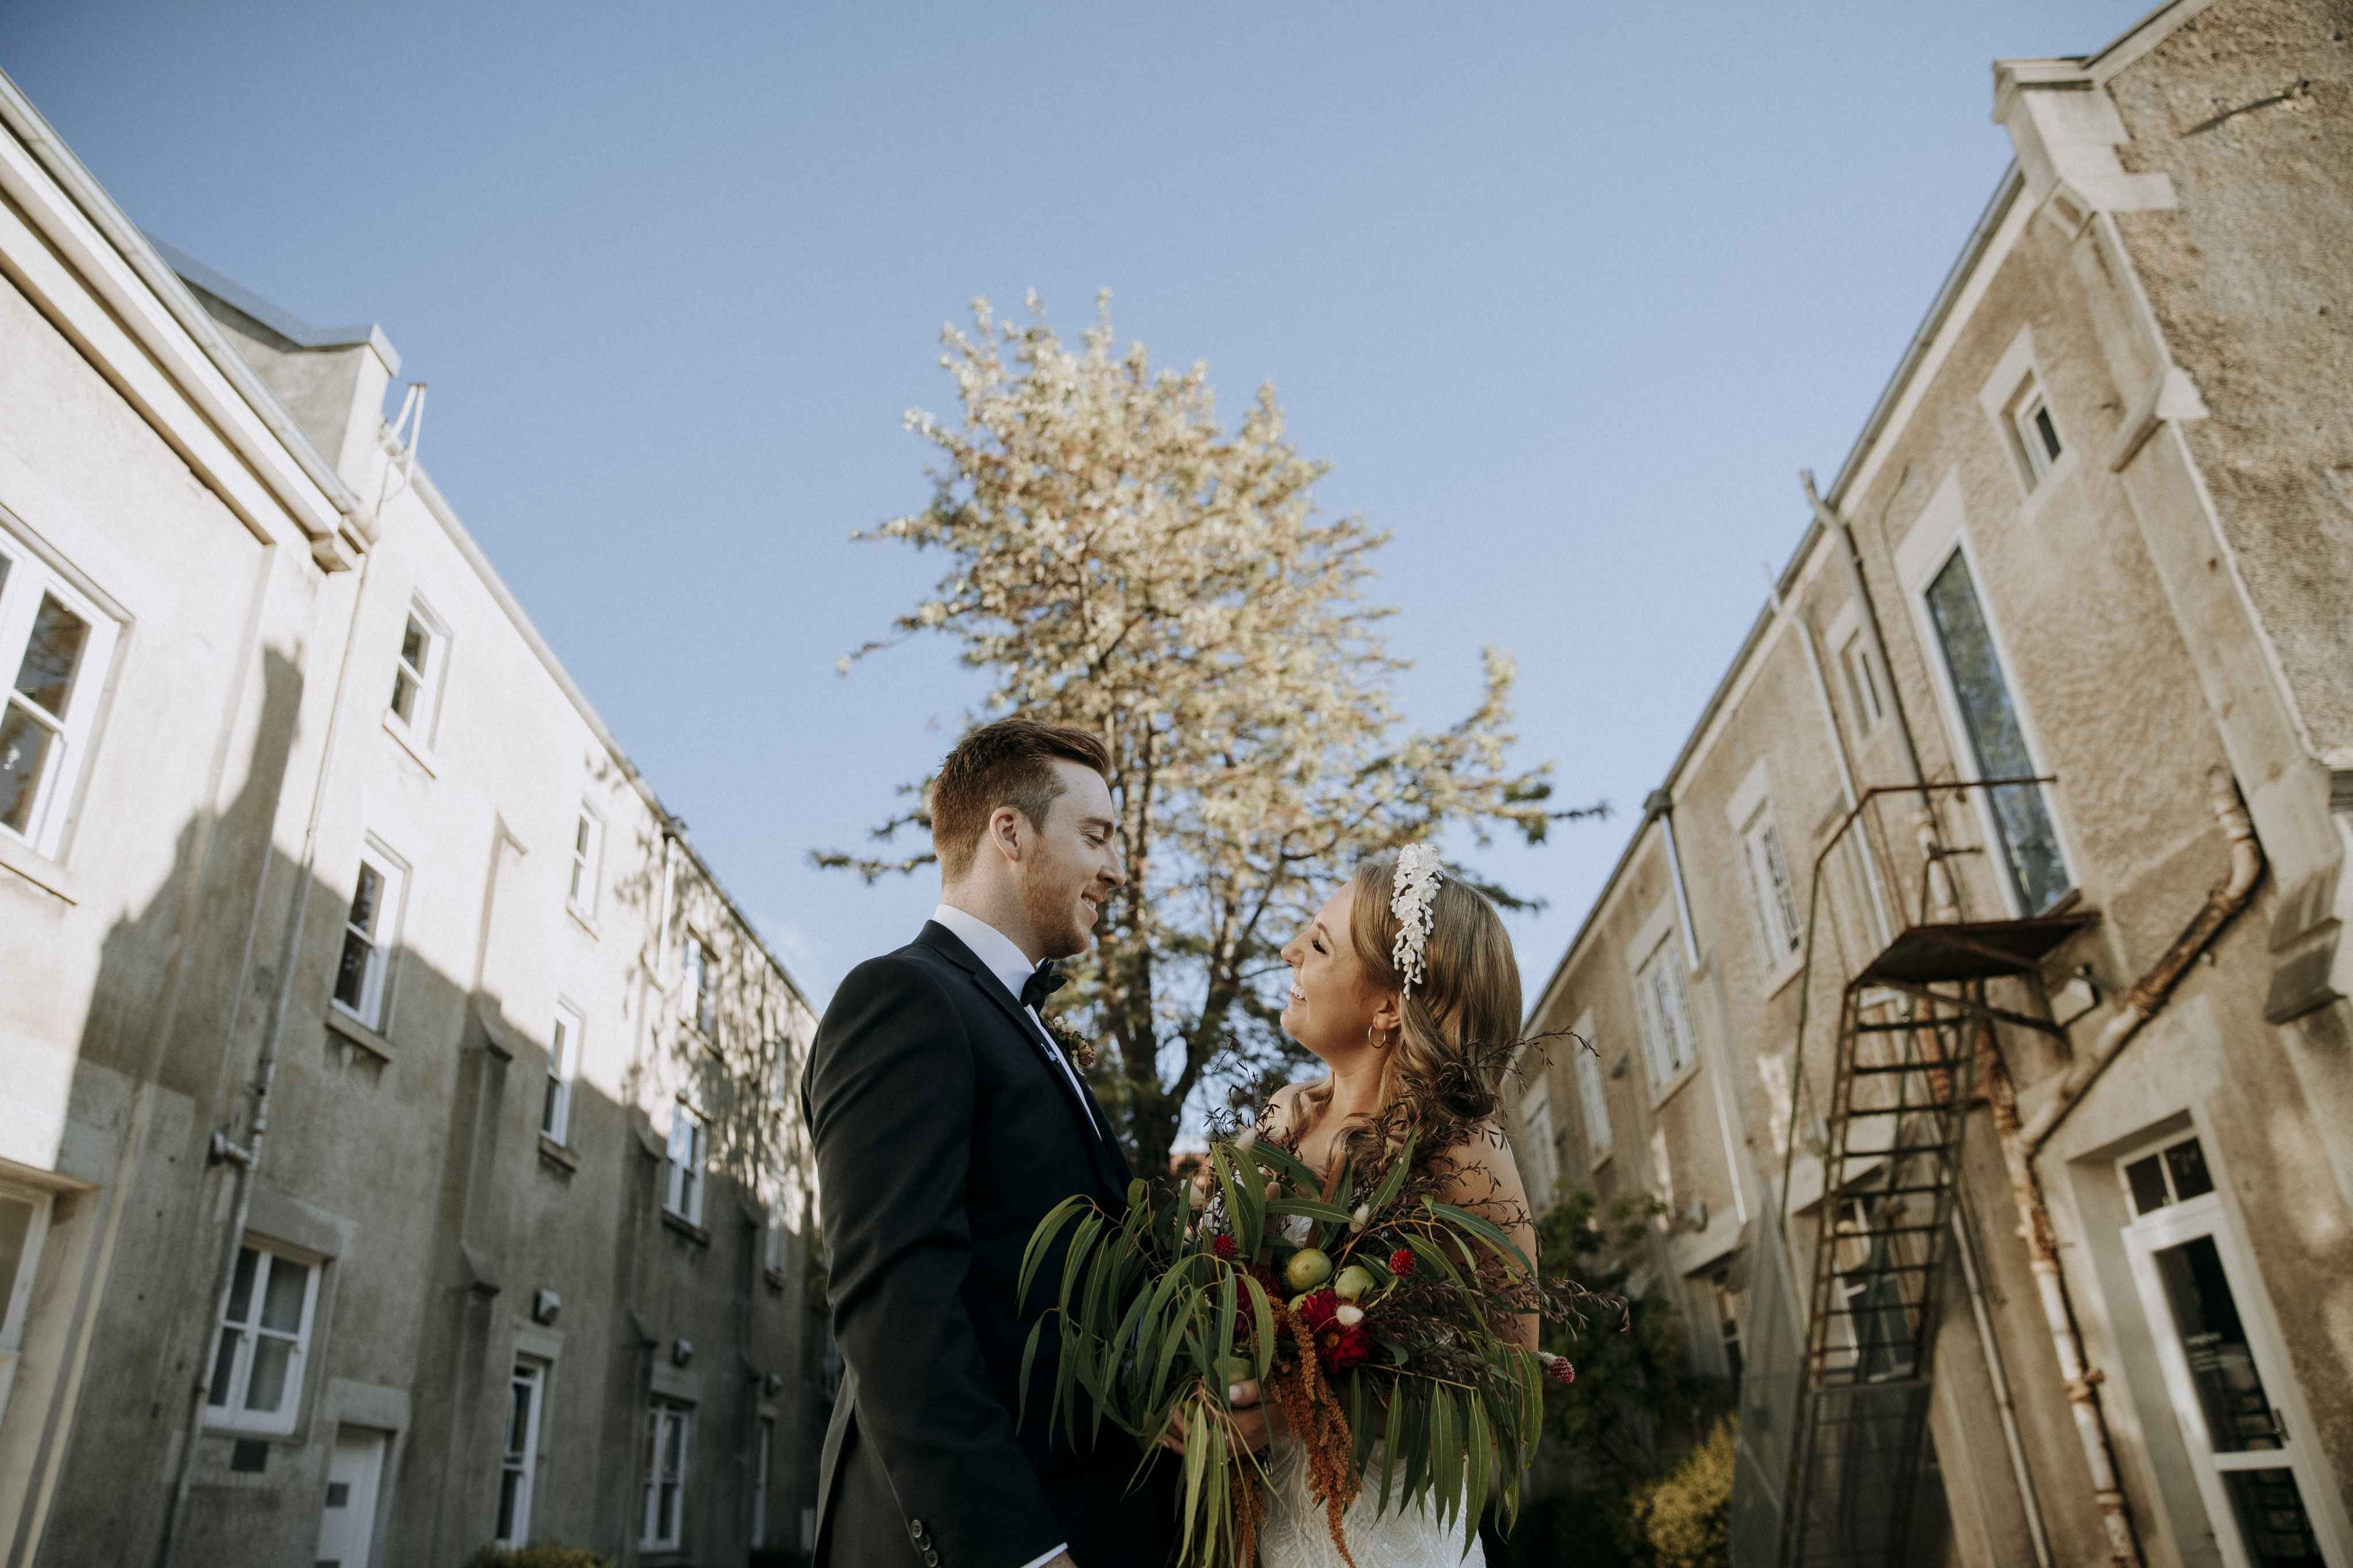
(1401, 1262)
(1560, 1369)
(1338, 1345)
(1223, 1246)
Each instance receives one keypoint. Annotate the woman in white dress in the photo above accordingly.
(1400, 1056)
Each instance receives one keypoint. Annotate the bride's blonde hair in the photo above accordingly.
(1461, 1019)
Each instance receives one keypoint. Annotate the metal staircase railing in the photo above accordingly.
(1842, 1431)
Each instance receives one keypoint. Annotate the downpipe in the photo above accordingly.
(244, 1160)
(2021, 1143)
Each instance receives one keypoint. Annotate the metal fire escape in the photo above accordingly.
(1844, 1420)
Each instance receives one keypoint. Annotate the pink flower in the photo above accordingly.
(1558, 1368)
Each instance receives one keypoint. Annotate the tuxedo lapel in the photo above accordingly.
(1111, 1162)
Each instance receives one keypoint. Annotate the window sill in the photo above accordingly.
(38, 868)
(359, 1034)
(1593, 1167)
(775, 1277)
(686, 1228)
(1778, 980)
(417, 750)
(582, 920)
(554, 1155)
(1674, 1085)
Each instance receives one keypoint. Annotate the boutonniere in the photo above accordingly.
(1079, 1050)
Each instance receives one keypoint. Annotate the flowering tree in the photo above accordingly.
(1117, 560)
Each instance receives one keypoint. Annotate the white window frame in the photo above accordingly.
(663, 1415)
(1866, 683)
(224, 1401)
(1592, 1094)
(1540, 1161)
(2029, 446)
(683, 1176)
(1939, 535)
(764, 1458)
(587, 864)
(17, 1293)
(423, 721)
(565, 1038)
(2181, 1221)
(1668, 1054)
(374, 1009)
(698, 985)
(2011, 397)
(530, 1374)
(1772, 896)
(29, 576)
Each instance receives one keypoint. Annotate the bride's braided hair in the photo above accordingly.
(1462, 1018)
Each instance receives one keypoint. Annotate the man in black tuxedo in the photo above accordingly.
(948, 1124)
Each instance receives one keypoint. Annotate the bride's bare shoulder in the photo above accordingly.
(1481, 1172)
(1281, 1111)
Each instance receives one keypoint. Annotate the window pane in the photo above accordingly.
(404, 696)
(24, 746)
(519, 1412)
(2272, 1520)
(2146, 1178)
(266, 1390)
(240, 1290)
(547, 1110)
(223, 1364)
(2188, 1163)
(2046, 430)
(46, 676)
(414, 641)
(281, 1305)
(510, 1487)
(350, 972)
(2221, 1364)
(367, 897)
(2030, 844)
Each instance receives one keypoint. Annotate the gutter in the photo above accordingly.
(26, 123)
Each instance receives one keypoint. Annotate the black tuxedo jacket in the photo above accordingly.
(944, 1131)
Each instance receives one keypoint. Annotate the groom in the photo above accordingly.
(948, 1124)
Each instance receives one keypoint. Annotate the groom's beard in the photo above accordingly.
(1057, 918)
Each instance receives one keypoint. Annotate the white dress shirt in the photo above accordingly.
(1011, 966)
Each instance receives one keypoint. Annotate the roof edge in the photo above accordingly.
(301, 334)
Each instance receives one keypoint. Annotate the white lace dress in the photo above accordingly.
(1298, 1532)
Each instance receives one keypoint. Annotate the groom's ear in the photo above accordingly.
(1006, 832)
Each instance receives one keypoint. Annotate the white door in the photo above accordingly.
(2266, 1496)
(347, 1523)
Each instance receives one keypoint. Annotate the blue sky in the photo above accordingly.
(1566, 294)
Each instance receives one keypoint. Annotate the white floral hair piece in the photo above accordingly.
(1411, 892)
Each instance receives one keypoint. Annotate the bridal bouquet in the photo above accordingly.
(1376, 1319)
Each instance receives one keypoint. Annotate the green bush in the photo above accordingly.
(1684, 1518)
(537, 1557)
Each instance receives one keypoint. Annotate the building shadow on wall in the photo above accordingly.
(413, 1240)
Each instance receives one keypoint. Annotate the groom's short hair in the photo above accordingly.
(1008, 763)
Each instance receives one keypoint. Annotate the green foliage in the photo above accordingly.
(542, 1556)
(1684, 1518)
(1152, 1322)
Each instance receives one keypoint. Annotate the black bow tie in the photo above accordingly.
(1041, 983)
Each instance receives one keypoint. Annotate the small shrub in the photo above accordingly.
(537, 1557)
(1684, 1518)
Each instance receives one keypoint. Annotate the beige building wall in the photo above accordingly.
(2164, 266)
(523, 1141)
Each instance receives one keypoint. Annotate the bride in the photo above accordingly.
(1413, 1031)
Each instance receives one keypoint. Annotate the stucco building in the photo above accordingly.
(396, 1149)
(2005, 1134)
